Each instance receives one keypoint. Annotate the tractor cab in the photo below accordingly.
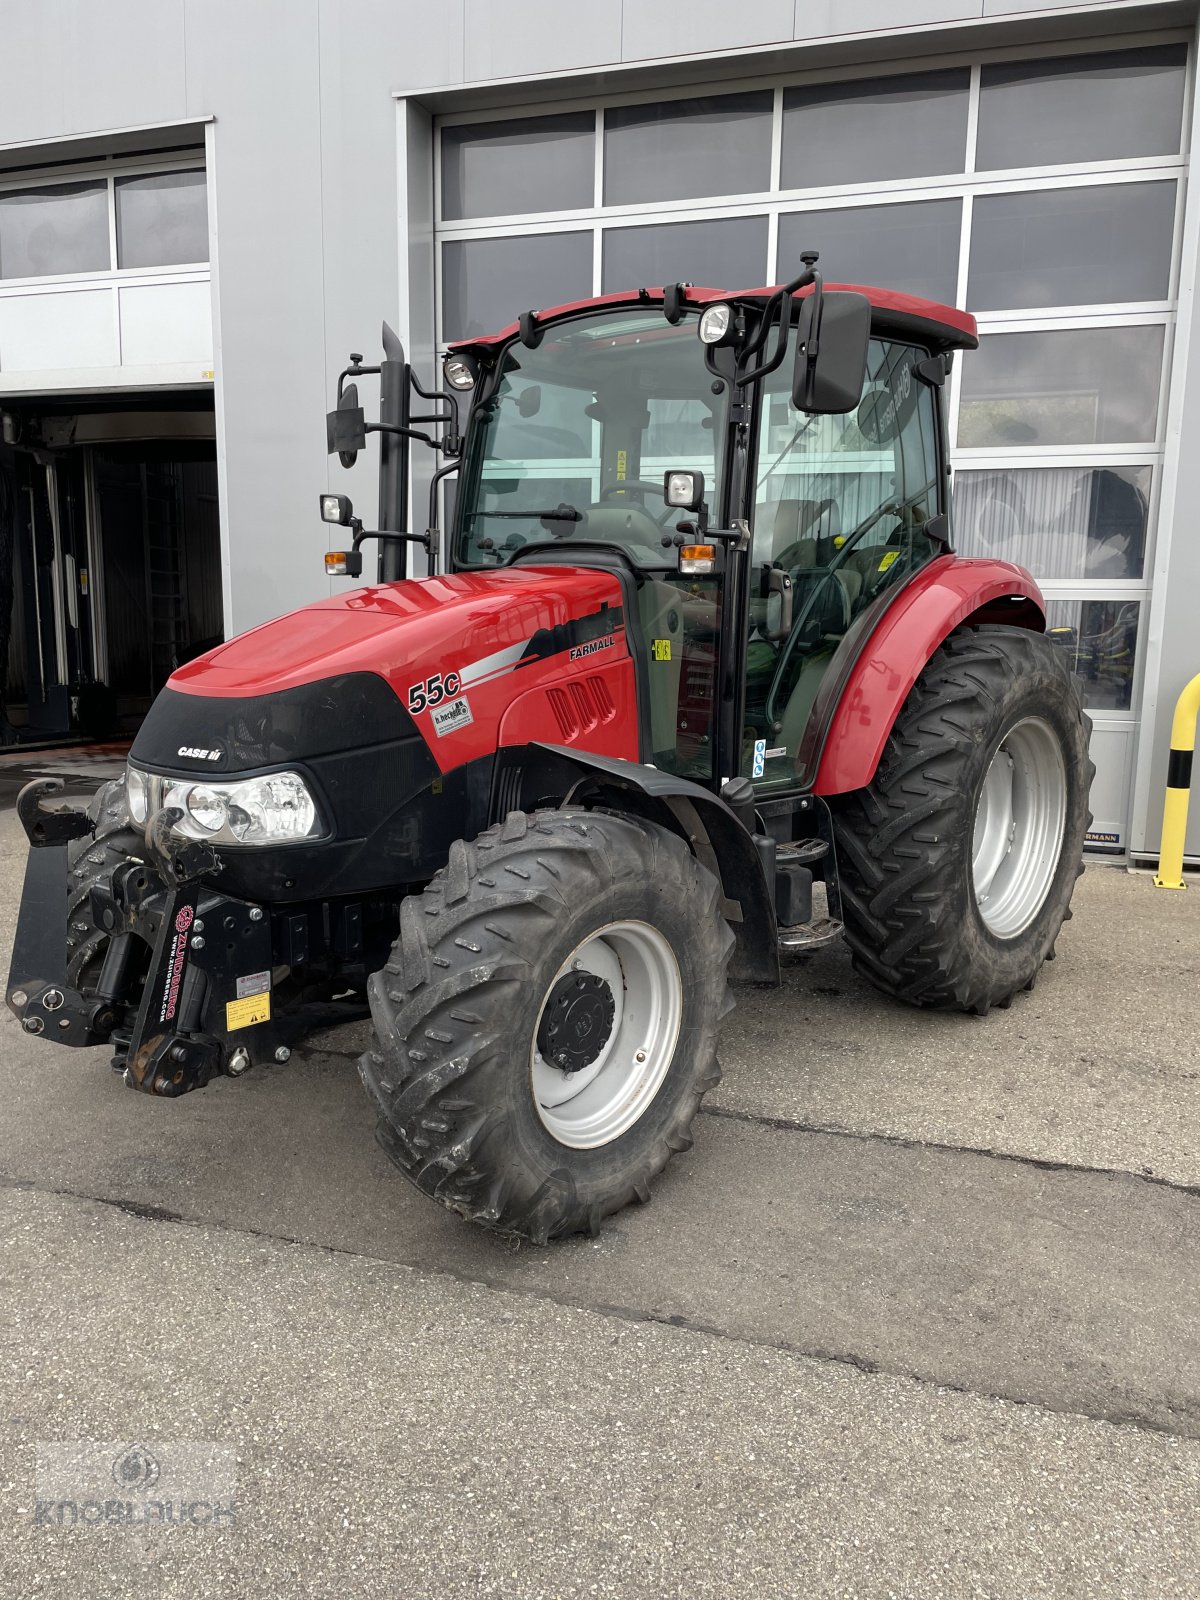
(764, 504)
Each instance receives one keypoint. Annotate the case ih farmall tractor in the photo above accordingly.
(696, 642)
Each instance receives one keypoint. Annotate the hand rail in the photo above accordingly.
(1179, 780)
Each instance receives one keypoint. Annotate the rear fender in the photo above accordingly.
(947, 594)
(712, 832)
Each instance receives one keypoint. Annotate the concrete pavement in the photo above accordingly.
(918, 1317)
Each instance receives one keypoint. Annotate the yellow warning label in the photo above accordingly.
(622, 465)
(888, 558)
(245, 1013)
(661, 649)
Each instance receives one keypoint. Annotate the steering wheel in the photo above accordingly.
(611, 490)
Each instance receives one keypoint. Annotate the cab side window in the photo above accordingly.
(842, 503)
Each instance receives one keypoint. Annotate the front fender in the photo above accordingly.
(715, 837)
(867, 695)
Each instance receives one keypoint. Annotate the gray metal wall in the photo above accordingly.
(323, 202)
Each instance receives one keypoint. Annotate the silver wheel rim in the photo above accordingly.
(1019, 821)
(603, 1100)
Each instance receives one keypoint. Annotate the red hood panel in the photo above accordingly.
(393, 629)
(456, 650)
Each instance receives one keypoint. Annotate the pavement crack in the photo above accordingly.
(1186, 1428)
(902, 1142)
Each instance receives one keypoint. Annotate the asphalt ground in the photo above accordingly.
(919, 1316)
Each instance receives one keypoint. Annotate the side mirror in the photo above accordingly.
(831, 353)
(346, 427)
(777, 591)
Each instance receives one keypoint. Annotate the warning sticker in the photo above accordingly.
(246, 1012)
(661, 649)
(888, 557)
(253, 983)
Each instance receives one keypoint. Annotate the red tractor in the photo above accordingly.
(696, 642)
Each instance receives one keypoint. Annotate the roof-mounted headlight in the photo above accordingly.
(716, 323)
(460, 372)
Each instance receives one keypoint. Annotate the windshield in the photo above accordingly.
(574, 442)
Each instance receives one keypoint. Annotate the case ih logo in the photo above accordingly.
(191, 753)
(185, 919)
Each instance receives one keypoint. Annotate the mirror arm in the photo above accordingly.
(354, 370)
(781, 300)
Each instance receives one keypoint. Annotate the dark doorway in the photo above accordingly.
(110, 561)
(160, 533)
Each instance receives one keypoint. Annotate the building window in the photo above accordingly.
(687, 149)
(487, 282)
(162, 219)
(912, 247)
(1109, 107)
(1099, 639)
(873, 130)
(727, 250)
(1099, 245)
(55, 229)
(525, 165)
(1064, 386)
(1062, 523)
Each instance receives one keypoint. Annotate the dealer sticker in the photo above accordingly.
(245, 1013)
(453, 715)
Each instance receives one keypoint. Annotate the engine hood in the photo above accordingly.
(406, 632)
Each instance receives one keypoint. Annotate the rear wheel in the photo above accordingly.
(958, 862)
(547, 1024)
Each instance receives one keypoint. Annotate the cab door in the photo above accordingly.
(842, 506)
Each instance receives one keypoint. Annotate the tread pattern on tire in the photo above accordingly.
(462, 960)
(898, 839)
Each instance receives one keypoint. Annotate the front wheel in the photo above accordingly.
(958, 862)
(546, 1026)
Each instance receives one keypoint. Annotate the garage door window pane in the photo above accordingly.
(1099, 640)
(726, 254)
(911, 247)
(57, 229)
(687, 149)
(1060, 522)
(1065, 247)
(1067, 387)
(869, 131)
(1108, 107)
(162, 220)
(487, 283)
(528, 164)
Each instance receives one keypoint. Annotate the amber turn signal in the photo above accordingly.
(343, 564)
(698, 559)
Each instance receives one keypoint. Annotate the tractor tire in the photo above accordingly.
(547, 1024)
(958, 862)
(117, 838)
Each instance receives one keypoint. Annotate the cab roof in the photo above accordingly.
(904, 315)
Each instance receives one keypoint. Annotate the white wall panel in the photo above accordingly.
(138, 83)
(652, 29)
(166, 322)
(817, 18)
(524, 37)
(55, 331)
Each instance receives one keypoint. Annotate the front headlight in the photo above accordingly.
(274, 809)
(137, 794)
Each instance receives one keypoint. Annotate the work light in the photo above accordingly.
(684, 490)
(336, 508)
(459, 371)
(715, 323)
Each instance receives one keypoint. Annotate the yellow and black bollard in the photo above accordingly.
(1179, 782)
